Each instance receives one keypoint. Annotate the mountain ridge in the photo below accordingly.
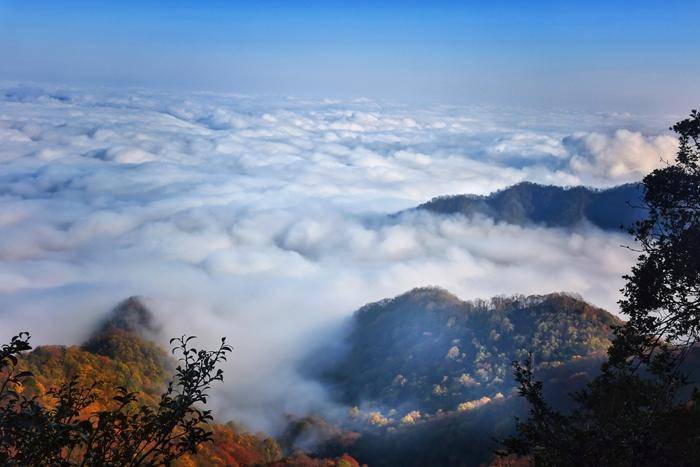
(428, 350)
(528, 203)
(425, 369)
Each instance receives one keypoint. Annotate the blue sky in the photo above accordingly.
(604, 55)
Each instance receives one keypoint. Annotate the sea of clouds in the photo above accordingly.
(264, 218)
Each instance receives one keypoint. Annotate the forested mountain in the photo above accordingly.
(464, 437)
(427, 350)
(430, 375)
(119, 353)
(421, 370)
(552, 206)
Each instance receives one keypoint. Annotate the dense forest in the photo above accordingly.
(427, 350)
(420, 374)
(644, 406)
(421, 370)
(426, 371)
(552, 206)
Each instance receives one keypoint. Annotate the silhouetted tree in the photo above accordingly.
(126, 433)
(641, 409)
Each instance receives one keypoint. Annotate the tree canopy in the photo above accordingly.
(643, 409)
(70, 431)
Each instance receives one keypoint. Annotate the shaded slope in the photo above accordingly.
(431, 375)
(428, 350)
(552, 206)
(464, 438)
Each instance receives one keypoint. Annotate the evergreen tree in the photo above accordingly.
(643, 409)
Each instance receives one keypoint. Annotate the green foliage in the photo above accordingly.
(428, 350)
(643, 409)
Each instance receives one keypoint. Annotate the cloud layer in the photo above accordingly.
(264, 219)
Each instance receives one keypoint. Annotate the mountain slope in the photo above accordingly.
(464, 437)
(429, 376)
(552, 206)
(427, 350)
(119, 353)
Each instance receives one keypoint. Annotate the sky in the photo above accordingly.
(596, 55)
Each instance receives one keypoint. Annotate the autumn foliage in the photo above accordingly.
(109, 401)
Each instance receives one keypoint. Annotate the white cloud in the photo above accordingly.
(625, 155)
(264, 220)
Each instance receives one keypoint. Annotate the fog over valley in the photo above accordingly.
(269, 220)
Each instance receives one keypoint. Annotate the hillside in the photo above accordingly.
(427, 350)
(552, 206)
(465, 437)
(119, 353)
(429, 375)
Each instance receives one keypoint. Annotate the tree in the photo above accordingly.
(643, 409)
(126, 433)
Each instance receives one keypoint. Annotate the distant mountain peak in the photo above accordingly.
(126, 332)
(132, 315)
(553, 206)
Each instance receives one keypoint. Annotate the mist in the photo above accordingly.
(265, 219)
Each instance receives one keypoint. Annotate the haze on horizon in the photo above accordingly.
(601, 55)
